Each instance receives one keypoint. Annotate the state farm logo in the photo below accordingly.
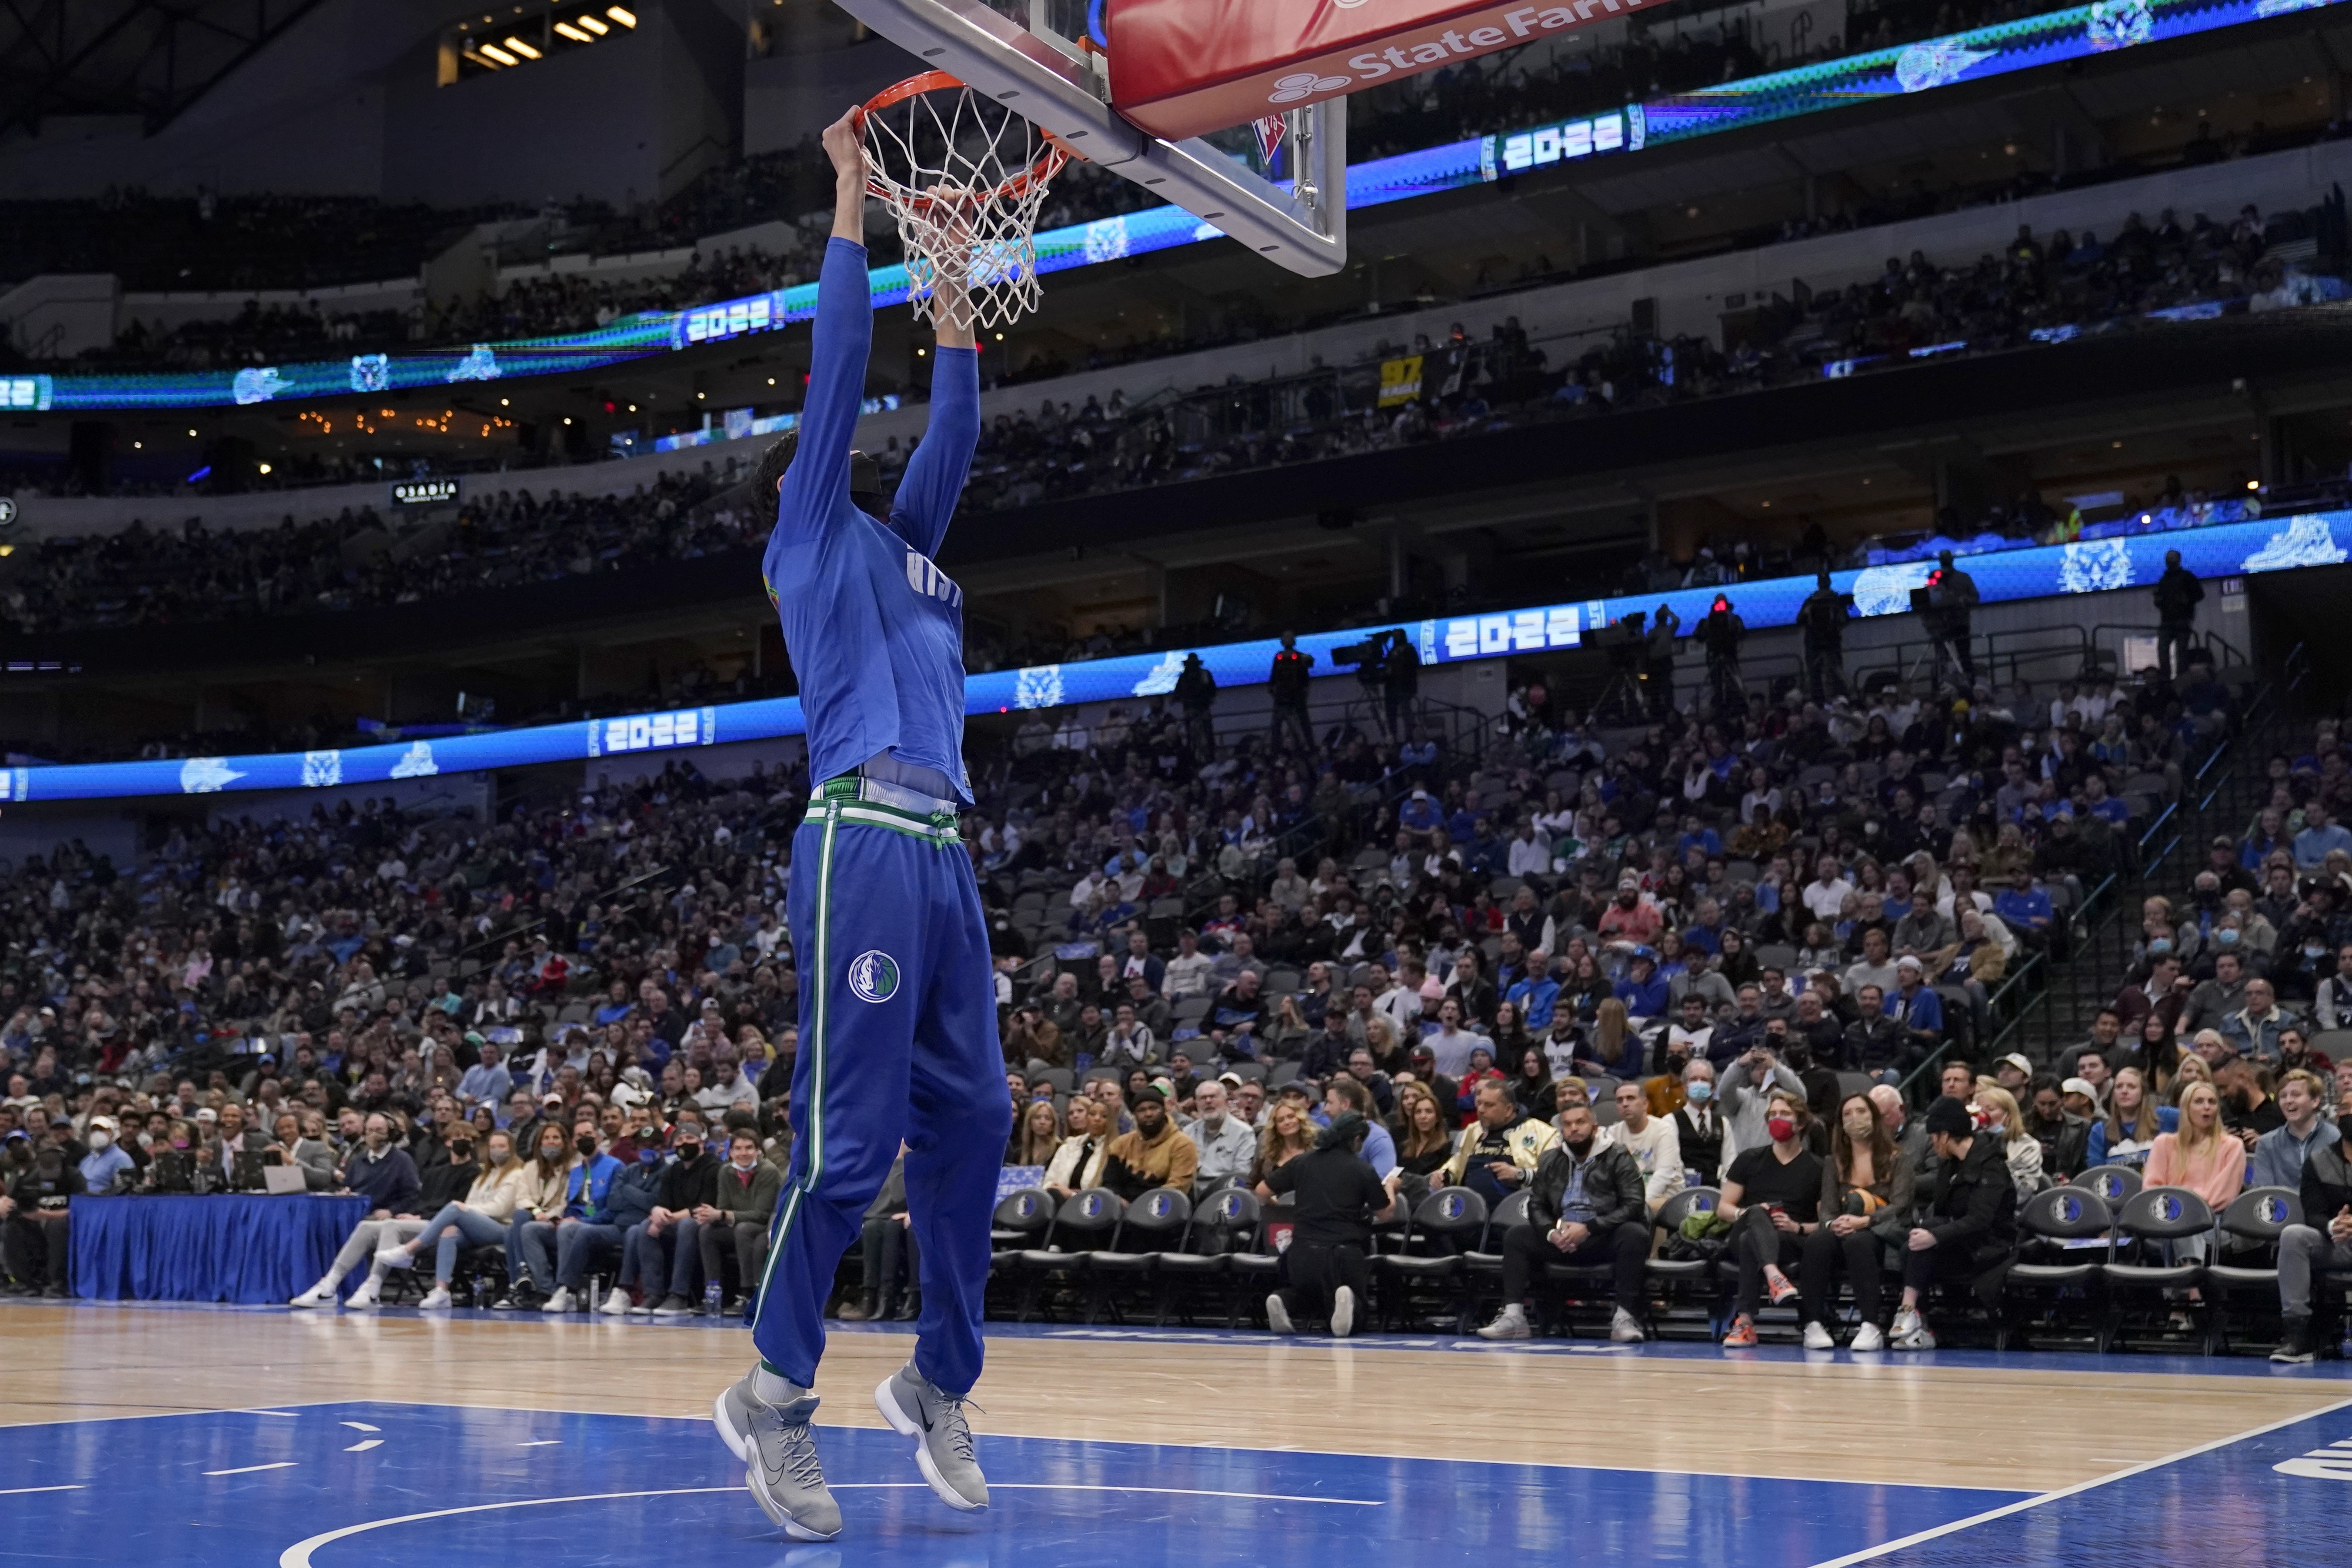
(1306, 84)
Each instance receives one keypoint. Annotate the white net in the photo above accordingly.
(964, 178)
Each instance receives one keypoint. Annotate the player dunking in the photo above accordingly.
(897, 999)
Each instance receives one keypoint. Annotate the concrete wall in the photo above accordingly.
(59, 316)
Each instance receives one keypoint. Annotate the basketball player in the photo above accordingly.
(898, 1000)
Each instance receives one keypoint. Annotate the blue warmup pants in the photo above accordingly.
(897, 1041)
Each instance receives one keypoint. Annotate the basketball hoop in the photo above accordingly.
(965, 179)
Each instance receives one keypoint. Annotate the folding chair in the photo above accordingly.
(2151, 1220)
(2069, 1241)
(2115, 1183)
(1152, 1221)
(2255, 1217)
(1444, 1221)
(1686, 1278)
(1482, 1266)
(1090, 1217)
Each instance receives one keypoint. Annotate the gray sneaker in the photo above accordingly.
(919, 1409)
(780, 1462)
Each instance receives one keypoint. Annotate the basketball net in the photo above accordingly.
(965, 180)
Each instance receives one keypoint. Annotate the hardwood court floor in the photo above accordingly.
(2019, 1423)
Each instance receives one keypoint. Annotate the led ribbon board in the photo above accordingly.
(2220, 550)
(1996, 50)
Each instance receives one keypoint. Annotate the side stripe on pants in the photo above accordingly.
(792, 1204)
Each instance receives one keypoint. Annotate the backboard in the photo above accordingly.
(1058, 82)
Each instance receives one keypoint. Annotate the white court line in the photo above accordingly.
(1868, 1553)
(23, 1491)
(290, 1415)
(362, 1427)
(248, 1470)
(299, 1554)
(541, 1443)
(364, 1444)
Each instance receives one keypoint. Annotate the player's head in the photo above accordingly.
(864, 475)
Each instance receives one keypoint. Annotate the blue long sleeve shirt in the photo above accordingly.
(873, 628)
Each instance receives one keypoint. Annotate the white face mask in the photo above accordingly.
(101, 1140)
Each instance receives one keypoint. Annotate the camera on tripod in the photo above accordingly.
(1623, 640)
(1371, 651)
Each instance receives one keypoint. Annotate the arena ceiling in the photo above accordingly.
(148, 57)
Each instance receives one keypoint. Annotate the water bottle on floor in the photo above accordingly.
(710, 1295)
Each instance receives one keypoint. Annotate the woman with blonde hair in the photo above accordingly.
(1996, 1110)
(2201, 1156)
(1288, 1134)
(2126, 1133)
(1078, 1163)
(1039, 1137)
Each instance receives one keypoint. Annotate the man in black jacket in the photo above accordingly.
(669, 1245)
(2324, 1240)
(1585, 1209)
(1968, 1210)
(2178, 594)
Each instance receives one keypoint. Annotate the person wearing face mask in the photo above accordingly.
(1698, 1125)
(540, 1204)
(480, 1220)
(1967, 1223)
(1772, 1196)
(1585, 1209)
(107, 1165)
(36, 1219)
(595, 1240)
(587, 1194)
(738, 1218)
(669, 1245)
(387, 1178)
(1867, 1190)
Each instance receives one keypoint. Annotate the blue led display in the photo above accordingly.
(2101, 27)
(2222, 550)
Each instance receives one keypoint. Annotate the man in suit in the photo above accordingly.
(1698, 1123)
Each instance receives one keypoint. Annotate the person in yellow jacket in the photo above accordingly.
(1497, 1153)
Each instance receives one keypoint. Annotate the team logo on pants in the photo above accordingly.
(873, 976)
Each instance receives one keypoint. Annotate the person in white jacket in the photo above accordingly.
(1077, 1165)
(1651, 1140)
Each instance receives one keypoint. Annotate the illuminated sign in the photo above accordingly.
(2121, 560)
(424, 492)
(1976, 55)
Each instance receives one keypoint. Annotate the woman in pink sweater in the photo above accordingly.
(2200, 1156)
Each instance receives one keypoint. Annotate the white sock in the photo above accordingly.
(772, 1389)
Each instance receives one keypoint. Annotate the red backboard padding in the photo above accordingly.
(1178, 68)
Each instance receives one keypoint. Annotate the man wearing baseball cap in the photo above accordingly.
(1916, 1007)
(1968, 1221)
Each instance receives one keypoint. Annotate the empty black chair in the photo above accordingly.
(1222, 1222)
(2150, 1284)
(2248, 1274)
(1091, 1217)
(1690, 1278)
(1154, 1223)
(2051, 1263)
(1443, 1226)
(1020, 1220)
(1250, 1270)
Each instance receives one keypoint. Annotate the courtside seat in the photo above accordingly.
(2052, 1262)
(2255, 1217)
(1090, 1217)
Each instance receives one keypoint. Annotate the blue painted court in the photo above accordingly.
(388, 1485)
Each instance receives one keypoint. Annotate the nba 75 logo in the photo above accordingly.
(929, 581)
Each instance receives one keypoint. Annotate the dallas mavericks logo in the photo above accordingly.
(2067, 1209)
(873, 976)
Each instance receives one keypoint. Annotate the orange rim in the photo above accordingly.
(1049, 162)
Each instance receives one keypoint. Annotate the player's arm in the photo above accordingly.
(817, 484)
(934, 478)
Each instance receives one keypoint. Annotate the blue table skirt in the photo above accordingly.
(252, 1249)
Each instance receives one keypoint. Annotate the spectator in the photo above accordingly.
(2280, 1154)
(1335, 1200)
(2065, 1137)
(738, 1219)
(2127, 1131)
(2322, 1242)
(387, 1178)
(1288, 1133)
(481, 1219)
(1155, 1154)
(1424, 1143)
(1499, 1150)
(106, 1166)
(1967, 1228)
(1771, 1198)
(888, 1253)
(2200, 1156)
(1077, 1162)
(1698, 1126)
(542, 1195)
(1225, 1143)
(1585, 1209)
(36, 1213)
(1867, 1193)
(1652, 1142)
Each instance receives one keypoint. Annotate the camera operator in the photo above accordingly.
(1196, 692)
(1405, 683)
(1719, 631)
(1822, 619)
(1658, 665)
(1371, 659)
(1951, 593)
(1286, 684)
